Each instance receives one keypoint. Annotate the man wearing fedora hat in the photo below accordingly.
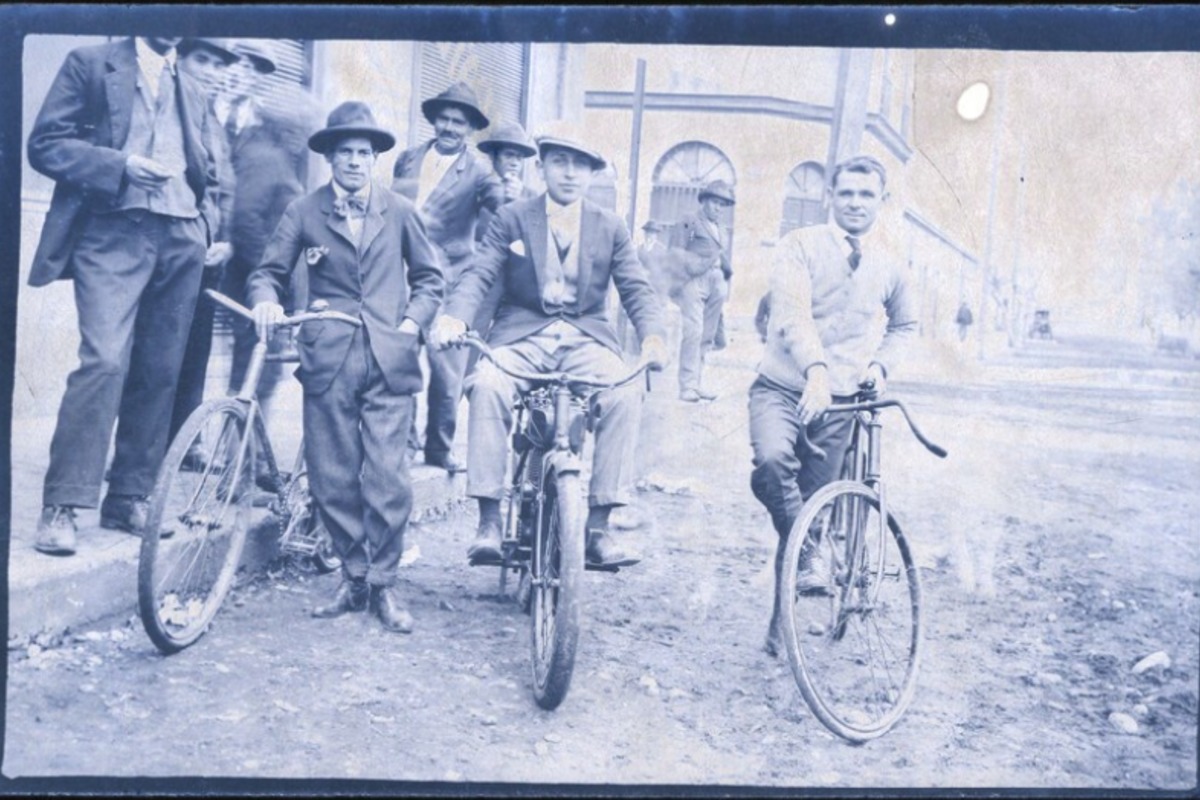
(206, 60)
(450, 186)
(127, 138)
(556, 256)
(367, 255)
(700, 299)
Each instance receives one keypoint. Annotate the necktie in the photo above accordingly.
(855, 252)
(231, 122)
(352, 206)
(562, 240)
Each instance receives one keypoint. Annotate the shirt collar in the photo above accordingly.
(556, 210)
(340, 191)
(147, 55)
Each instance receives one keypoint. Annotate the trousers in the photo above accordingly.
(700, 301)
(136, 278)
(193, 373)
(559, 347)
(354, 434)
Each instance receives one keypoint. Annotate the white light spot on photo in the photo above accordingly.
(889, 20)
(973, 102)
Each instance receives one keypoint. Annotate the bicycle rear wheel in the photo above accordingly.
(557, 580)
(202, 501)
(854, 643)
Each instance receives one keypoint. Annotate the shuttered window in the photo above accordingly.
(803, 197)
(496, 71)
(293, 68)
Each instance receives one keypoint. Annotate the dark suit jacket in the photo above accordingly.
(394, 273)
(77, 140)
(693, 235)
(267, 183)
(451, 210)
(514, 253)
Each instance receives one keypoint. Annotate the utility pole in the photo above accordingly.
(997, 132)
(1014, 311)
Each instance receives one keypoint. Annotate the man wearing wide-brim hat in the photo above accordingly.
(556, 256)
(702, 236)
(367, 255)
(451, 186)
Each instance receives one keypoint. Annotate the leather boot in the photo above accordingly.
(391, 609)
(351, 595)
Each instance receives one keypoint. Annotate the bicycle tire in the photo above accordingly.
(557, 584)
(842, 643)
(183, 579)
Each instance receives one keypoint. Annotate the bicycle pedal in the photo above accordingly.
(601, 568)
(487, 561)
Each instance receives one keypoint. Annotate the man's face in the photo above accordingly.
(857, 198)
(451, 128)
(507, 161)
(711, 207)
(567, 174)
(351, 161)
(241, 78)
(206, 67)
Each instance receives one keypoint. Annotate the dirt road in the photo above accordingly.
(1057, 548)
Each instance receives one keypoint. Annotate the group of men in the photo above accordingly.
(167, 182)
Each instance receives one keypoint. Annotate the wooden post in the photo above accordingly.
(997, 132)
(628, 342)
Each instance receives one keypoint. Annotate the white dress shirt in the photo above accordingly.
(433, 168)
(151, 66)
(355, 223)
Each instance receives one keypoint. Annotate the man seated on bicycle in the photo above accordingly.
(367, 255)
(829, 285)
(556, 256)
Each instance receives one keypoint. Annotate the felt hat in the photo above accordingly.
(261, 53)
(460, 96)
(352, 118)
(222, 47)
(559, 134)
(720, 190)
(508, 134)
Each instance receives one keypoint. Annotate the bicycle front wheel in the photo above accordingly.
(557, 580)
(197, 523)
(850, 604)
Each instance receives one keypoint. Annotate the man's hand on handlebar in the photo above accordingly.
(874, 383)
(654, 353)
(266, 316)
(447, 332)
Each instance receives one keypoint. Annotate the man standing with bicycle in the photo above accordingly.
(829, 285)
(556, 257)
(368, 256)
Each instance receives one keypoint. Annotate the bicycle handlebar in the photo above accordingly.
(874, 405)
(295, 319)
(472, 339)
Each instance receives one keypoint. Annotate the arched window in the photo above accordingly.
(679, 176)
(803, 197)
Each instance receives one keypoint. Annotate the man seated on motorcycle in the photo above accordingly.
(556, 255)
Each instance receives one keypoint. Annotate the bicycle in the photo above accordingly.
(543, 538)
(201, 508)
(854, 641)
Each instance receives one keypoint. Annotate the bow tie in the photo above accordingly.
(351, 206)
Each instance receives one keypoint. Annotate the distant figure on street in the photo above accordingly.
(451, 187)
(700, 300)
(367, 256)
(963, 319)
(828, 284)
(127, 138)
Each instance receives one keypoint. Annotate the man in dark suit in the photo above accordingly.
(206, 60)
(556, 256)
(451, 186)
(266, 158)
(126, 137)
(700, 235)
(368, 256)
